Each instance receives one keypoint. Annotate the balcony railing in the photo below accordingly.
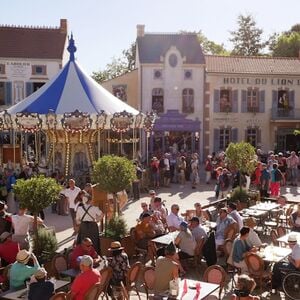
(253, 109)
(285, 114)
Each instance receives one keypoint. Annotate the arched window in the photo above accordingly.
(188, 101)
(158, 100)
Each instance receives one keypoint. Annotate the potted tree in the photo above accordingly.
(241, 157)
(36, 194)
(113, 174)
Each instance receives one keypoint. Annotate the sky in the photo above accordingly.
(103, 28)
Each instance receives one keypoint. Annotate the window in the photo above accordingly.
(252, 100)
(2, 69)
(173, 60)
(188, 101)
(157, 74)
(225, 137)
(283, 100)
(188, 74)
(39, 70)
(252, 136)
(158, 100)
(37, 85)
(225, 100)
(2, 93)
(120, 91)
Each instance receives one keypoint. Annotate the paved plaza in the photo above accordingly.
(184, 196)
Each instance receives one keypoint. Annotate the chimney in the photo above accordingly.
(140, 30)
(63, 26)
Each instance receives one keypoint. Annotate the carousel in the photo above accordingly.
(70, 122)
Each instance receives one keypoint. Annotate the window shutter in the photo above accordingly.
(258, 137)
(216, 100)
(244, 101)
(29, 88)
(8, 93)
(235, 106)
(292, 99)
(262, 101)
(216, 140)
(234, 135)
(274, 99)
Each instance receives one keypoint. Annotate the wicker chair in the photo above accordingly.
(59, 264)
(106, 275)
(149, 279)
(94, 291)
(131, 278)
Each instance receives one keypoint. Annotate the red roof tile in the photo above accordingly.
(252, 65)
(30, 42)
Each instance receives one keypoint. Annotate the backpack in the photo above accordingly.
(277, 175)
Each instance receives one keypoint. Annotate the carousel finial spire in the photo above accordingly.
(72, 48)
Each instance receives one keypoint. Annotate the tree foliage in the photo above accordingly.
(118, 66)
(37, 192)
(113, 173)
(208, 46)
(247, 39)
(286, 44)
(241, 156)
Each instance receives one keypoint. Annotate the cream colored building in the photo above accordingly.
(29, 57)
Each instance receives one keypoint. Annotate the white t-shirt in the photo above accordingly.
(167, 164)
(94, 214)
(71, 195)
(21, 224)
(173, 220)
(253, 239)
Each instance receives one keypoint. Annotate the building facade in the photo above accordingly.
(29, 57)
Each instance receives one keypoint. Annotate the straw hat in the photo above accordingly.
(23, 256)
(40, 273)
(115, 246)
(292, 238)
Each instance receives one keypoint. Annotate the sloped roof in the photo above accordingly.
(28, 42)
(152, 46)
(72, 89)
(252, 65)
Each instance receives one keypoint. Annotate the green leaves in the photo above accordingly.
(37, 193)
(241, 156)
(113, 173)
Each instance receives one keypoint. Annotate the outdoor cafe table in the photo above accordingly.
(253, 213)
(205, 290)
(22, 294)
(265, 206)
(274, 254)
(284, 238)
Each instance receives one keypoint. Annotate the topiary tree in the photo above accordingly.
(113, 174)
(242, 157)
(35, 194)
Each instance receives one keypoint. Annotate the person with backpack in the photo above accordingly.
(276, 178)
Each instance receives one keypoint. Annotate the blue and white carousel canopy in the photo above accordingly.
(72, 89)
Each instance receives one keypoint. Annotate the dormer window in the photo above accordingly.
(157, 74)
(188, 74)
(173, 60)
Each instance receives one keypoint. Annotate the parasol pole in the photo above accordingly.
(14, 147)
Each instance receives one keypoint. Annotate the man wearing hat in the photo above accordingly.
(166, 269)
(295, 219)
(20, 271)
(86, 279)
(119, 262)
(8, 249)
(291, 264)
(40, 288)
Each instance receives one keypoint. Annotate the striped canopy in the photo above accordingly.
(70, 90)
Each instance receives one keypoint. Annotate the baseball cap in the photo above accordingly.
(184, 224)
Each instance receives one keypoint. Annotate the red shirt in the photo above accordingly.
(79, 251)
(83, 282)
(9, 250)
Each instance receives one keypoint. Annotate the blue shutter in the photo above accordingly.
(292, 99)
(8, 93)
(216, 100)
(29, 88)
(235, 106)
(274, 99)
(234, 135)
(262, 101)
(244, 101)
(216, 140)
